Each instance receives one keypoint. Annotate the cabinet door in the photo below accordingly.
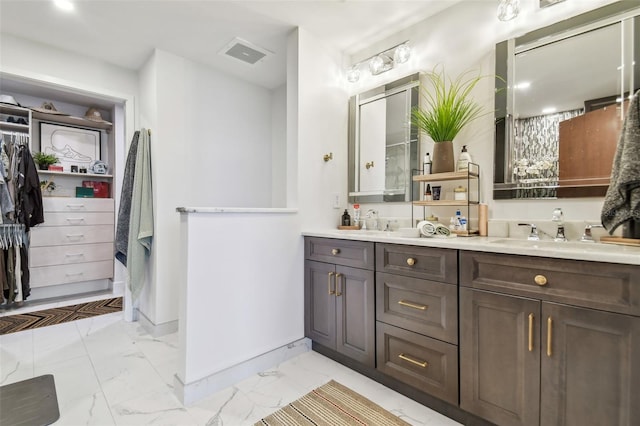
(320, 303)
(591, 376)
(500, 357)
(355, 314)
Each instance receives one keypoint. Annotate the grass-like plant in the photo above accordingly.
(44, 160)
(447, 105)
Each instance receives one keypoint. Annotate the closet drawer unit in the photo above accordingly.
(424, 363)
(66, 235)
(63, 274)
(70, 204)
(419, 262)
(78, 218)
(425, 307)
(64, 255)
(357, 254)
(605, 286)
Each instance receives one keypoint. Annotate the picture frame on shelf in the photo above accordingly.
(74, 146)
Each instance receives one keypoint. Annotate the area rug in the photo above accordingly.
(332, 404)
(37, 319)
(31, 402)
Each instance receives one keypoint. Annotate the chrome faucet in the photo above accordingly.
(558, 217)
(533, 234)
(586, 236)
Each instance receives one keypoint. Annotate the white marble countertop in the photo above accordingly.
(545, 248)
(250, 210)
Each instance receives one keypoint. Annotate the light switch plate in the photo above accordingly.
(336, 200)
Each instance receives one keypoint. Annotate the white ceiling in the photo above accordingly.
(125, 32)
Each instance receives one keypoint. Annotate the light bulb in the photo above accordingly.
(376, 64)
(353, 74)
(508, 9)
(402, 54)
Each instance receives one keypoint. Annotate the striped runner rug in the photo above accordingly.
(332, 404)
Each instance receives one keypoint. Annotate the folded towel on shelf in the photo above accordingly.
(433, 229)
(622, 201)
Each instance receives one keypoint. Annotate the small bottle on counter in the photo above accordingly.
(427, 193)
(460, 193)
(346, 219)
(426, 166)
(356, 214)
(463, 160)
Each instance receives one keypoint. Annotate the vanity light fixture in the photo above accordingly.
(522, 86)
(65, 5)
(381, 62)
(508, 9)
(549, 110)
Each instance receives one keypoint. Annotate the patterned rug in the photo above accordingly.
(19, 322)
(332, 404)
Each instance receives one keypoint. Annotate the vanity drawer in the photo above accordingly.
(607, 286)
(63, 255)
(62, 274)
(425, 307)
(357, 254)
(419, 262)
(424, 363)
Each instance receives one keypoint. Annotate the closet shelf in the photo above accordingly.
(69, 119)
(14, 110)
(52, 172)
(14, 127)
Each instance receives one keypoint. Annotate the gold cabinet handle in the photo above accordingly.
(531, 332)
(412, 305)
(422, 364)
(540, 280)
(369, 165)
(549, 327)
(331, 291)
(411, 261)
(338, 284)
(335, 251)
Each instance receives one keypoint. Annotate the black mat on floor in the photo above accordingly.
(31, 402)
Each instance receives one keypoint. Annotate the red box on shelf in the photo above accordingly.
(100, 189)
(53, 168)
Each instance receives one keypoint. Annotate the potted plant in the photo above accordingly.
(446, 108)
(44, 160)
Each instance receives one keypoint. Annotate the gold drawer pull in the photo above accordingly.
(411, 261)
(530, 332)
(338, 283)
(422, 364)
(335, 251)
(369, 165)
(540, 280)
(549, 326)
(331, 291)
(412, 305)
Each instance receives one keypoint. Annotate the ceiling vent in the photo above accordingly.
(244, 51)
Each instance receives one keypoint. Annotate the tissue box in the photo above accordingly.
(82, 192)
(100, 189)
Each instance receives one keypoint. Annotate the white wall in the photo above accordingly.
(462, 38)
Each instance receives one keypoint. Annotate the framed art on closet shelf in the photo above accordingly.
(74, 146)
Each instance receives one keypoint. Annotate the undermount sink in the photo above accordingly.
(563, 245)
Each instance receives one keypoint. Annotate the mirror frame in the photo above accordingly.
(503, 187)
(412, 83)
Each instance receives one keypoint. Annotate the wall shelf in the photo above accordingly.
(440, 177)
(74, 121)
(53, 172)
(462, 203)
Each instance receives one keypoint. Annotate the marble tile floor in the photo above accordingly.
(110, 372)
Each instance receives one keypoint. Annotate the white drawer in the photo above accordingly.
(78, 218)
(61, 274)
(70, 204)
(64, 255)
(66, 235)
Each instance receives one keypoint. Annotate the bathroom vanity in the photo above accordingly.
(484, 330)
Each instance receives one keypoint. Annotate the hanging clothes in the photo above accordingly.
(124, 212)
(141, 218)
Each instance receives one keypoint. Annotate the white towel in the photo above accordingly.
(433, 229)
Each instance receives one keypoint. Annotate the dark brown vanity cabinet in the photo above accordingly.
(339, 297)
(535, 350)
(417, 318)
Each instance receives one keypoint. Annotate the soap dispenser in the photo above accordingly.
(346, 219)
(463, 160)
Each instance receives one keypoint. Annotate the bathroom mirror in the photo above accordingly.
(383, 145)
(559, 104)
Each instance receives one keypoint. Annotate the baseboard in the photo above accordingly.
(156, 330)
(189, 393)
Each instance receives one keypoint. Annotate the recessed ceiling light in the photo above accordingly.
(523, 85)
(549, 110)
(65, 5)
